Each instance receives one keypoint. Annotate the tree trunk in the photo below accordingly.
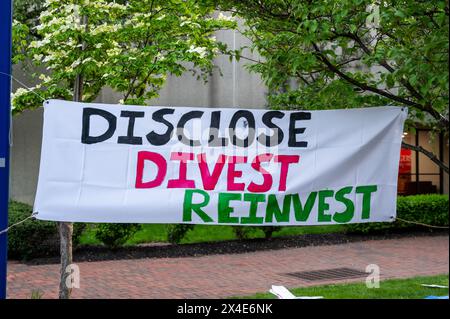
(65, 235)
(66, 229)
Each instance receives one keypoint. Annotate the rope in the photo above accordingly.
(24, 85)
(18, 223)
(421, 224)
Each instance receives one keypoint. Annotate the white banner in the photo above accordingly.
(136, 164)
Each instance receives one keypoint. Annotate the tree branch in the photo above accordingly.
(428, 154)
(427, 107)
(361, 85)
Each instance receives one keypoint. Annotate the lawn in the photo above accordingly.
(206, 233)
(389, 289)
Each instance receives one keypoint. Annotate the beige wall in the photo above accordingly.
(25, 155)
(235, 88)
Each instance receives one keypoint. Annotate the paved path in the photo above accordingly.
(218, 276)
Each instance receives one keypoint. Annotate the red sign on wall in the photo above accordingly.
(405, 161)
(404, 171)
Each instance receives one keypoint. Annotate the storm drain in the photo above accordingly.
(326, 274)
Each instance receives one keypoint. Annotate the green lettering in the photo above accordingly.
(323, 206)
(367, 194)
(254, 199)
(224, 207)
(347, 214)
(188, 206)
(302, 213)
(273, 209)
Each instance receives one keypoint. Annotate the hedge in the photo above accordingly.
(115, 235)
(429, 209)
(34, 238)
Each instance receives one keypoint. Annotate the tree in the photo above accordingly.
(352, 53)
(130, 47)
(25, 19)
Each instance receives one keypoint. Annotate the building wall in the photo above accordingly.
(237, 87)
(25, 155)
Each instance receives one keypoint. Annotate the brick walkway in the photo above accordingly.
(218, 276)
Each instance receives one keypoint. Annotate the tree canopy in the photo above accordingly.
(352, 53)
(130, 47)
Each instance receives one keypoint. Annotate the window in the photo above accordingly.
(417, 173)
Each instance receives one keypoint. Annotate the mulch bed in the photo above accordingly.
(158, 250)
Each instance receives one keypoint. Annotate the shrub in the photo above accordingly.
(245, 232)
(269, 230)
(78, 229)
(426, 209)
(176, 232)
(115, 235)
(34, 238)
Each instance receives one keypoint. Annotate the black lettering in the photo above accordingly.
(180, 127)
(161, 139)
(86, 122)
(214, 139)
(250, 121)
(130, 138)
(293, 130)
(278, 135)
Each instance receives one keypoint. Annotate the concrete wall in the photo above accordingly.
(236, 88)
(25, 155)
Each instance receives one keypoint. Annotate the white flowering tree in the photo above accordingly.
(130, 47)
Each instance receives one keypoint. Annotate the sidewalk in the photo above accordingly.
(219, 276)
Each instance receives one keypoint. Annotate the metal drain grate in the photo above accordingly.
(334, 273)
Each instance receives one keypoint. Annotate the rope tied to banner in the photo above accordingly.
(422, 224)
(23, 84)
(18, 223)
(399, 219)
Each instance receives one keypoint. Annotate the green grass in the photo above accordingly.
(389, 289)
(206, 233)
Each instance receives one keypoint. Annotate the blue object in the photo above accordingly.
(5, 120)
(436, 297)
